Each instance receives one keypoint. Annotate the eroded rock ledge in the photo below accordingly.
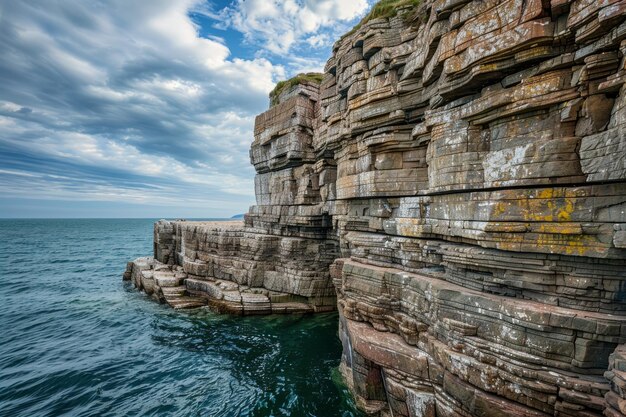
(456, 187)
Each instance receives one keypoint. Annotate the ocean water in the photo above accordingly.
(77, 341)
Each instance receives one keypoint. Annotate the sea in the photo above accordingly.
(77, 341)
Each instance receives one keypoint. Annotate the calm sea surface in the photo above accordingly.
(76, 341)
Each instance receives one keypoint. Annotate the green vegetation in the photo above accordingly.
(383, 9)
(388, 8)
(312, 77)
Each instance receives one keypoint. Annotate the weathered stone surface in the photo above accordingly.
(484, 261)
(458, 182)
(277, 260)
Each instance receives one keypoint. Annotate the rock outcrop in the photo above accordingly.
(458, 180)
(278, 259)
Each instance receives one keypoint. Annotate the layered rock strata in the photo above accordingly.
(463, 162)
(277, 260)
(480, 203)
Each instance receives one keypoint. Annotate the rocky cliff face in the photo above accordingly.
(278, 260)
(459, 178)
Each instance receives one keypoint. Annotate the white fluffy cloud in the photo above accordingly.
(281, 24)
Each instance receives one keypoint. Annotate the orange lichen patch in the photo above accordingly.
(556, 228)
(499, 209)
(565, 212)
(551, 205)
(573, 244)
(581, 245)
(547, 193)
(547, 205)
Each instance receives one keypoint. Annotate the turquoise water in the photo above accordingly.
(76, 341)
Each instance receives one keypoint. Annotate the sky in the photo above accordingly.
(134, 108)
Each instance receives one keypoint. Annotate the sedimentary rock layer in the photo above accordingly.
(480, 204)
(277, 260)
(463, 163)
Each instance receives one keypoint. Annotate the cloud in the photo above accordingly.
(124, 89)
(319, 40)
(280, 25)
(135, 101)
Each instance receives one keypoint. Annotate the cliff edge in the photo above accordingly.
(455, 185)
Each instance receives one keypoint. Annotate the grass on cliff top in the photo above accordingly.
(383, 9)
(312, 77)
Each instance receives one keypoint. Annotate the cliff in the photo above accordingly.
(458, 181)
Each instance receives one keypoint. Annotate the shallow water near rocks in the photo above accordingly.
(76, 341)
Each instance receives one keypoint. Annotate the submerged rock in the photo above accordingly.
(456, 186)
